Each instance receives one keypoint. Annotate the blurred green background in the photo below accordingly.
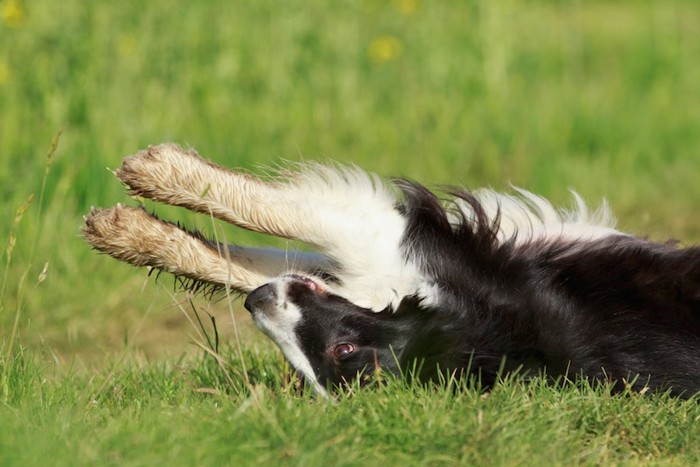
(599, 96)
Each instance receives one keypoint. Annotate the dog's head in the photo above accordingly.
(324, 336)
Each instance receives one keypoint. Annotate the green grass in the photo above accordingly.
(161, 414)
(96, 362)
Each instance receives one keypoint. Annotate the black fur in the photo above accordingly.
(619, 309)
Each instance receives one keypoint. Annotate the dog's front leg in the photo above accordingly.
(314, 205)
(136, 237)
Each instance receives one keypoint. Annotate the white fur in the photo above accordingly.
(527, 217)
(351, 216)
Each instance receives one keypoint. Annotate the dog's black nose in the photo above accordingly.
(261, 298)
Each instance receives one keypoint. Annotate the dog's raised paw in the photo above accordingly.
(159, 172)
(117, 230)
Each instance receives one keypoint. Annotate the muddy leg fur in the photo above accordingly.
(136, 237)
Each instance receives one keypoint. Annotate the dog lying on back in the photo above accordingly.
(479, 283)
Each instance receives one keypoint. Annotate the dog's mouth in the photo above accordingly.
(312, 284)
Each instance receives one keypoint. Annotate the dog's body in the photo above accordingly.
(481, 283)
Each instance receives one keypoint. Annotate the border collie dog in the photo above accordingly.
(469, 283)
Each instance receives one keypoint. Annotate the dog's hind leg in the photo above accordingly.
(348, 214)
(136, 237)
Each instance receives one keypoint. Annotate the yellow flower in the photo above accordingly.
(13, 13)
(126, 44)
(384, 48)
(407, 7)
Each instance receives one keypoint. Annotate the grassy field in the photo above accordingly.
(98, 363)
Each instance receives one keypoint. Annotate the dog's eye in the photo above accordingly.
(343, 350)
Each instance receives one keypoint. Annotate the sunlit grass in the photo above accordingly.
(186, 413)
